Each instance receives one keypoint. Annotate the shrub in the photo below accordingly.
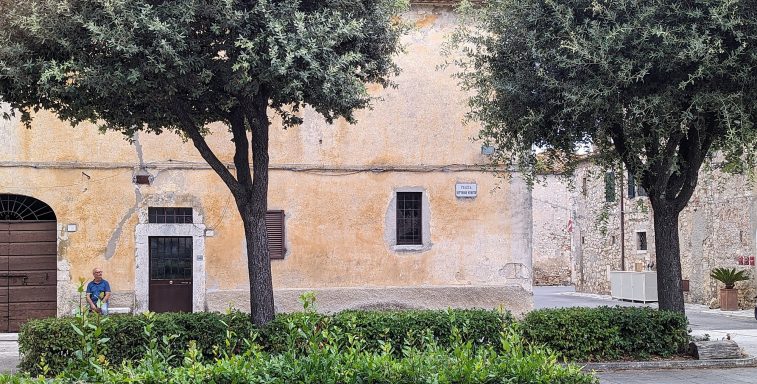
(55, 340)
(395, 327)
(607, 333)
(333, 359)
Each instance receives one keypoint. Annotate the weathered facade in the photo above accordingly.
(337, 185)
(716, 229)
(553, 225)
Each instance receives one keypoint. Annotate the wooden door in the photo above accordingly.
(170, 274)
(28, 272)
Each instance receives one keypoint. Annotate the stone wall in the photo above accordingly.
(715, 229)
(553, 206)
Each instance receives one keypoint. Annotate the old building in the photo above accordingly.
(716, 229)
(161, 224)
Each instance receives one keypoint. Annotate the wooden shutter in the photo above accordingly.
(610, 187)
(631, 186)
(274, 221)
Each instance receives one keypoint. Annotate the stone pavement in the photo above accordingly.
(8, 352)
(681, 376)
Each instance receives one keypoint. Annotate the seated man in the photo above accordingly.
(98, 293)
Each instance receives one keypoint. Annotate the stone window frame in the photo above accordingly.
(143, 231)
(637, 237)
(390, 222)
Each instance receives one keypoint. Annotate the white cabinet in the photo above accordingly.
(634, 286)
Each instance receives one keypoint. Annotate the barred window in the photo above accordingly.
(409, 215)
(169, 215)
(641, 241)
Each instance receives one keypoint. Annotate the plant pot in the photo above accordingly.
(729, 299)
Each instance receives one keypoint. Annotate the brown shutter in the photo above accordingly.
(274, 221)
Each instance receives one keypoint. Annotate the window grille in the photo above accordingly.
(641, 244)
(409, 215)
(17, 207)
(170, 258)
(169, 215)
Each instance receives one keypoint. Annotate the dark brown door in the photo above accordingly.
(28, 272)
(170, 274)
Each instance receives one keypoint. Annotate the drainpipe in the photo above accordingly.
(622, 224)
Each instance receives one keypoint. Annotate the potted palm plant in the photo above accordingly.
(729, 296)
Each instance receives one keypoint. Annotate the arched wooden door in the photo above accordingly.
(28, 261)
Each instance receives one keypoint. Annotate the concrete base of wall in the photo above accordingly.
(512, 298)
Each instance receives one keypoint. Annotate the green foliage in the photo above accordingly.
(607, 333)
(729, 276)
(378, 329)
(336, 357)
(133, 65)
(55, 341)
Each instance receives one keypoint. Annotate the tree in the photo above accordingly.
(177, 66)
(657, 85)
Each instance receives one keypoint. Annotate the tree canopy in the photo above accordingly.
(655, 84)
(147, 65)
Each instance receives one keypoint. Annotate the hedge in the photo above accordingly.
(332, 361)
(56, 340)
(607, 333)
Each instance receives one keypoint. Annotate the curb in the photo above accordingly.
(673, 364)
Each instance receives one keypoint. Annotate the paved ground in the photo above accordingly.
(740, 325)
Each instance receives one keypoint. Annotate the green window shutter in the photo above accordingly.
(609, 187)
(631, 186)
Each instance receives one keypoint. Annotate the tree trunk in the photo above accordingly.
(667, 250)
(253, 206)
(258, 261)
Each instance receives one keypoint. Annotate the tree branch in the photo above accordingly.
(193, 132)
(702, 144)
(663, 163)
(241, 147)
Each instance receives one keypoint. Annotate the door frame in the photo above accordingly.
(144, 231)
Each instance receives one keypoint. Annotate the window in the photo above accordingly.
(641, 241)
(409, 220)
(584, 186)
(170, 258)
(274, 222)
(17, 207)
(609, 187)
(164, 215)
(635, 190)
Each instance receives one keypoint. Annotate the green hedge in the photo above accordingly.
(400, 328)
(55, 339)
(607, 333)
(508, 360)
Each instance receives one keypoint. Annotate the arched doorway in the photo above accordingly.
(28, 261)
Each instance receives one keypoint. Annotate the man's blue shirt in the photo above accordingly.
(94, 289)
